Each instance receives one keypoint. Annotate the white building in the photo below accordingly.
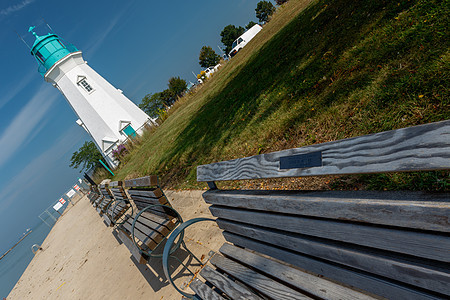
(103, 111)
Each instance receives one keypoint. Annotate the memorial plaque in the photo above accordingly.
(308, 160)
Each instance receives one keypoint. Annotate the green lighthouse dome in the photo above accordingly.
(48, 49)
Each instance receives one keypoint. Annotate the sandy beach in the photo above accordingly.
(82, 259)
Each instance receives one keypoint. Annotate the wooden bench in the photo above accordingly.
(98, 200)
(93, 195)
(151, 220)
(332, 244)
(106, 200)
(119, 206)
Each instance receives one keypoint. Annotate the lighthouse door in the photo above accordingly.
(129, 131)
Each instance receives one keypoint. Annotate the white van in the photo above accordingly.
(241, 41)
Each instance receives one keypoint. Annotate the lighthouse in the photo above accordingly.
(103, 111)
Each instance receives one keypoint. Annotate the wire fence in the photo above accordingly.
(52, 213)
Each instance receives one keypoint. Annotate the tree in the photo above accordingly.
(229, 34)
(177, 85)
(151, 104)
(167, 97)
(86, 157)
(264, 9)
(279, 2)
(250, 25)
(208, 57)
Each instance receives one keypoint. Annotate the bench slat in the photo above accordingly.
(419, 210)
(413, 243)
(116, 214)
(158, 230)
(149, 201)
(126, 240)
(154, 193)
(228, 286)
(115, 183)
(257, 281)
(150, 217)
(425, 276)
(310, 283)
(362, 280)
(417, 148)
(204, 291)
(142, 237)
(151, 180)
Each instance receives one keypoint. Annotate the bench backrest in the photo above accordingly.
(391, 244)
(145, 191)
(105, 191)
(418, 148)
(117, 190)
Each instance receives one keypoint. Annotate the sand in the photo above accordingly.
(82, 259)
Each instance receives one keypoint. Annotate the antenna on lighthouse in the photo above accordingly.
(20, 37)
(51, 29)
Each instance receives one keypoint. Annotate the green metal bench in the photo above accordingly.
(106, 199)
(150, 222)
(331, 244)
(117, 208)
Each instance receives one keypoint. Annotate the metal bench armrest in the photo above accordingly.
(167, 250)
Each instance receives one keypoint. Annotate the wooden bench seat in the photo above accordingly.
(152, 224)
(92, 195)
(107, 199)
(119, 206)
(97, 201)
(334, 244)
(264, 277)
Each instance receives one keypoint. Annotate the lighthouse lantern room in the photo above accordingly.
(103, 111)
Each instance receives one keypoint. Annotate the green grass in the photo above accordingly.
(315, 73)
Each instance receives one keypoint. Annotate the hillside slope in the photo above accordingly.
(315, 73)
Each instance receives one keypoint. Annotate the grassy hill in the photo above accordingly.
(318, 71)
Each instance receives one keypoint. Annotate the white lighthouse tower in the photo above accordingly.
(103, 111)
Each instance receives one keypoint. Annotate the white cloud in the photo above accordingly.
(26, 123)
(8, 96)
(15, 7)
(99, 39)
(34, 173)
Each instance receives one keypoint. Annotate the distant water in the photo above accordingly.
(15, 262)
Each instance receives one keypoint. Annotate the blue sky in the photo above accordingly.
(135, 45)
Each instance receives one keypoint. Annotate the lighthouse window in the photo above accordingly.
(39, 55)
(85, 85)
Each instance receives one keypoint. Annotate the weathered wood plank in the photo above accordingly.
(151, 180)
(107, 219)
(418, 148)
(204, 291)
(304, 281)
(167, 222)
(115, 183)
(416, 210)
(112, 216)
(141, 236)
(259, 282)
(352, 278)
(156, 231)
(429, 277)
(153, 193)
(162, 200)
(126, 240)
(419, 244)
(228, 286)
